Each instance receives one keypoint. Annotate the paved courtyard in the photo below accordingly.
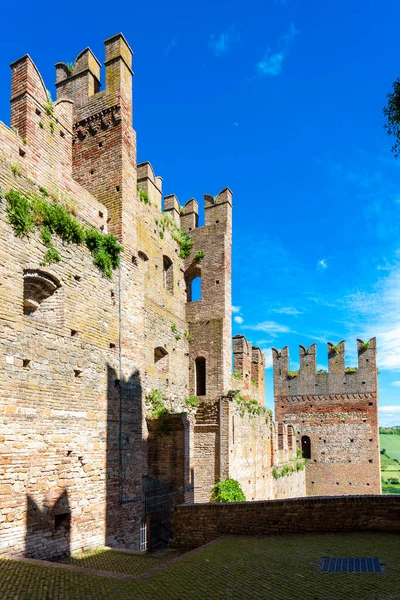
(234, 567)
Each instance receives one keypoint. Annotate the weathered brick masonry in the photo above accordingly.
(336, 417)
(198, 524)
(81, 355)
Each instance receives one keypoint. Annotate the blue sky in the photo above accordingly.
(281, 100)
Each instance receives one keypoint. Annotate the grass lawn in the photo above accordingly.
(391, 443)
(390, 468)
(282, 567)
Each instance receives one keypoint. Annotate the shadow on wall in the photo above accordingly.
(126, 460)
(48, 530)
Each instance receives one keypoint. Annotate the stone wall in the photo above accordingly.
(336, 414)
(198, 524)
(231, 441)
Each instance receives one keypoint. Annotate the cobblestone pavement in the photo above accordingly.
(233, 568)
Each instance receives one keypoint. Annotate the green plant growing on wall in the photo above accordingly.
(199, 256)
(52, 126)
(161, 234)
(26, 214)
(237, 374)
(143, 196)
(252, 407)
(174, 328)
(293, 374)
(43, 191)
(156, 402)
(253, 382)
(16, 169)
(180, 237)
(365, 346)
(351, 370)
(275, 473)
(70, 66)
(52, 256)
(192, 401)
(227, 490)
(24, 141)
(188, 336)
(335, 349)
(41, 124)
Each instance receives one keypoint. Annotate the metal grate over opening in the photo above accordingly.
(351, 565)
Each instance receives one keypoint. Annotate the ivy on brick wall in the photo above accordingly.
(28, 213)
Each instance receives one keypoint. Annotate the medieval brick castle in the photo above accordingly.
(113, 386)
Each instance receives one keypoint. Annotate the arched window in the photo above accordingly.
(193, 284)
(306, 446)
(42, 297)
(200, 364)
(168, 274)
(143, 256)
(161, 359)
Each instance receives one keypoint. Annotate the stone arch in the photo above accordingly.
(193, 273)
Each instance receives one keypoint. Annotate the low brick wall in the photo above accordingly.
(197, 524)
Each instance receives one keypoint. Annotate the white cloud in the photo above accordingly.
(235, 309)
(221, 43)
(395, 383)
(286, 310)
(389, 416)
(322, 264)
(390, 409)
(269, 327)
(238, 319)
(378, 313)
(272, 63)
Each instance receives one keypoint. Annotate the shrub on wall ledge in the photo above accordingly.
(228, 490)
(26, 214)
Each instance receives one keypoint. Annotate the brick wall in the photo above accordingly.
(198, 524)
(338, 411)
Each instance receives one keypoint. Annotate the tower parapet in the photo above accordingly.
(248, 368)
(338, 379)
(335, 414)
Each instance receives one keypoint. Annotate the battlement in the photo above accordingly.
(150, 183)
(217, 210)
(337, 380)
(80, 81)
(248, 368)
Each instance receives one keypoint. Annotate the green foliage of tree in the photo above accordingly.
(228, 490)
(392, 114)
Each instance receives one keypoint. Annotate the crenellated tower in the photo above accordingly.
(210, 316)
(335, 414)
(248, 369)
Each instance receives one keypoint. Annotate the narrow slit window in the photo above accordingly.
(200, 365)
